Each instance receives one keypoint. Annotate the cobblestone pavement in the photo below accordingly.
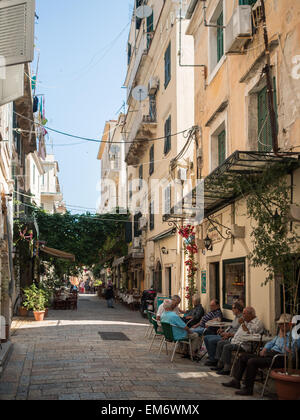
(65, 358)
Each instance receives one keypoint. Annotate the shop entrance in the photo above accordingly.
(214, 281)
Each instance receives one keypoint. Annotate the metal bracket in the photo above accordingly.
(215, 224)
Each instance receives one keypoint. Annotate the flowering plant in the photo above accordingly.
(190, 250)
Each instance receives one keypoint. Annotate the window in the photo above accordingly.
(137, 231)
(150, 29)
(222, 147)
(151, 212)
(151, 159)
(158, 278)
(247, 2)
(168, 66)
(138, 3)
(265, 143)
(234, 281)
(129, 52)
(220, 37)
(167, 147)
(141, 177)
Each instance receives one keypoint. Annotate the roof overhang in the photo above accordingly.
(216, 191)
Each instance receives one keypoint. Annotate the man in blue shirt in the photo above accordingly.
(250, 363)
(179, 327)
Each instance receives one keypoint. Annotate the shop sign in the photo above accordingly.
(203, 282)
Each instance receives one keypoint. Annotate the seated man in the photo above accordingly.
(215, 313)
(195, 315)
(211, 341)
(250, 363)
(176, 302)
(249, 324)
(180, 329)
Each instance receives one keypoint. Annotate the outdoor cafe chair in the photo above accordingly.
(149, 330)
(157, 333)
(169, 338)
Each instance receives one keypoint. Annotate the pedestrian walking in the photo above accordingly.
(109, 295)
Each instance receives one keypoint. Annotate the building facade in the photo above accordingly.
(232, 109)
(160, 86)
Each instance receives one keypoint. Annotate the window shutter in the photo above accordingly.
(168, 65)
(12, 85)
(167, 147)
(220, 37)
(17, 31)
(151, 166)
(222, 147)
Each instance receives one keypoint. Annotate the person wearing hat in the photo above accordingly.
(250, 363)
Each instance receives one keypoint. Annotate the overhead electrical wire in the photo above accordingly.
(97, 140)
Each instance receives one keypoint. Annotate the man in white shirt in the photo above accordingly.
(176, 300)
(250, 324)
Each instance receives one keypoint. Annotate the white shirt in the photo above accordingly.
(161, 310)
(255, 327)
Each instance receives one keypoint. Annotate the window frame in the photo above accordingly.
(228, 262)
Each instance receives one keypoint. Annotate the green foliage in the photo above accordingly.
(92, 239)
(34, 298)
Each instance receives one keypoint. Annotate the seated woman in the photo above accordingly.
(195, 315)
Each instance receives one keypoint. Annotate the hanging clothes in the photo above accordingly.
(35, 104)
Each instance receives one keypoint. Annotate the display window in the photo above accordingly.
(234, 282)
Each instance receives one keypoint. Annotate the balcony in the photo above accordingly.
(138, 60)
(143, 129)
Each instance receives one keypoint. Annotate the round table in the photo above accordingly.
(255, 338)
(218, 324)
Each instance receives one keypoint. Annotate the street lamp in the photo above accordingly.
(208, 243)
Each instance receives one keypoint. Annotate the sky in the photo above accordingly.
(81, 48)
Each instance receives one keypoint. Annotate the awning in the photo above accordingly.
(57, 253)
(216, 191)
(118, 262)
(163, 235)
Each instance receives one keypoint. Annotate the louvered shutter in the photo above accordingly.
(17, 31)
(12, 84)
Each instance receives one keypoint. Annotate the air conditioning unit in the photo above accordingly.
(143, 223)
(153, 85)
(136, 243)
(239, 29)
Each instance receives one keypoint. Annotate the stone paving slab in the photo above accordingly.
(64, 358)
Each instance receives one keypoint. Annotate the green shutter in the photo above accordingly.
(220, 37)
(247, 2)
(167, 147)
(222, 147)
(151, 166)
(265, 143)
(168, 65)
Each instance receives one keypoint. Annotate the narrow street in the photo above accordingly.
(65, 358)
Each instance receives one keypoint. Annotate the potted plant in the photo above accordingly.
(35, 300)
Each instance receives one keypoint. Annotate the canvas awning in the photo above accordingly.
(57, 253)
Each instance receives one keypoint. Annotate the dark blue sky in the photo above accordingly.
(82, 68)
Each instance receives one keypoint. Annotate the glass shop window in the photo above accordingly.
(234, 281)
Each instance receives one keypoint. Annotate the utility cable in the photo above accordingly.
(97, 140)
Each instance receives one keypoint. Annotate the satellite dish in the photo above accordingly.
(140, 93)
(144, 11)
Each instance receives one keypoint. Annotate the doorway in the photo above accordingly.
(169, 281)
(214, 281)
